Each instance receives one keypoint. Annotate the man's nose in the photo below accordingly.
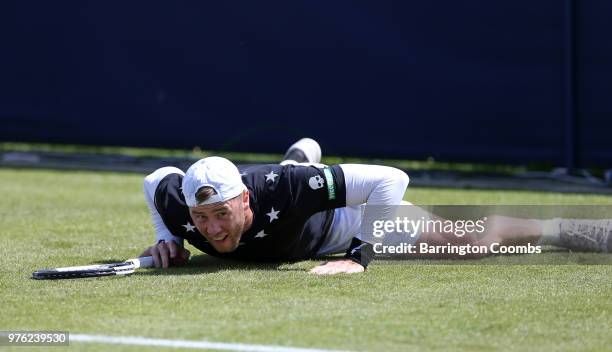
(213, 228)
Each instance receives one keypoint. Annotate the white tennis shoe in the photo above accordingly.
(306, 150)
(587, 235)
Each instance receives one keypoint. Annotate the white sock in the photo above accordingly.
(551, 232)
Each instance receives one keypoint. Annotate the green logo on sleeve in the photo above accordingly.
(329, 179)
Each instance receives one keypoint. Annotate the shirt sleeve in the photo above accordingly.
(151, 182)
(315, 188)
(374, 184)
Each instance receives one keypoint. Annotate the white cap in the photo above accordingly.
(216, 172)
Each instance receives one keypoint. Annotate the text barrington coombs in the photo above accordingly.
(411, 227)
(424, 248)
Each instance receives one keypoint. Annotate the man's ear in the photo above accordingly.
(245, 199)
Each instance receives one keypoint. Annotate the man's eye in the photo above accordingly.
(221, 214)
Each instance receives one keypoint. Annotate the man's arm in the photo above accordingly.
(168, 249)
(382, 186)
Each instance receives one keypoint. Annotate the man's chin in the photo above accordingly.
(225, 246)
(225, 250)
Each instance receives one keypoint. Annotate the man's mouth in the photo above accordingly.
(219, 238)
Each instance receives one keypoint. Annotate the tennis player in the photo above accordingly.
(301, 209)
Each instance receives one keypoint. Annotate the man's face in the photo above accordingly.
(222, 223)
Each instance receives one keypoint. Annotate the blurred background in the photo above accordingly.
(481, 81)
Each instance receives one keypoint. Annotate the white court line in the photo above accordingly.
(202, 345)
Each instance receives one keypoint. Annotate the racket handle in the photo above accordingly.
(142, 262)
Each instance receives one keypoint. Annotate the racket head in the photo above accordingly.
(77, 272)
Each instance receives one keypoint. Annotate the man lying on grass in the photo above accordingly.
(300, 209)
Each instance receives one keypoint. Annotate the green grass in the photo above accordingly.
(53, 218)
(197, 153)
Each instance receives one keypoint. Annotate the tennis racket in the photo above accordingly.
(74, 272)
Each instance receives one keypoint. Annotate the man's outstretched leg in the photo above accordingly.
(584, 235)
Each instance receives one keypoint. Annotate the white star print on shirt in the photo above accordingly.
(271, 176)
(188, 227)
(273, 214)
(261, 234)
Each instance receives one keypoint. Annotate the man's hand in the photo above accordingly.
(345, 266)
(167, 253)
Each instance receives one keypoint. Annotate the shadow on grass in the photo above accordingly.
(550, 256)
(205, 264)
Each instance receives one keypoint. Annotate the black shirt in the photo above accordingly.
(292, 211)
